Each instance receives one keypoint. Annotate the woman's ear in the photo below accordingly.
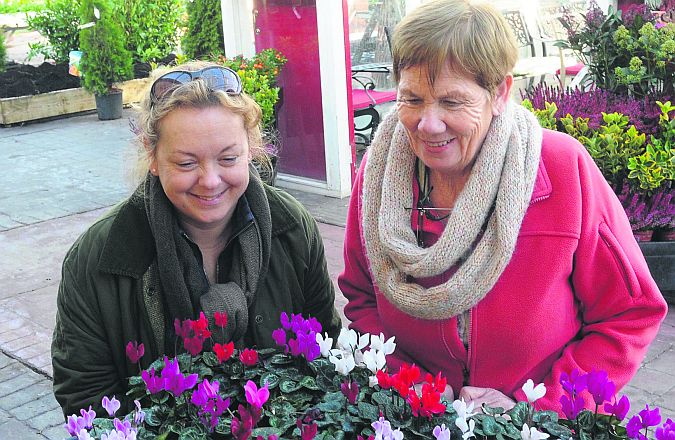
(502, 95)
(152, 156)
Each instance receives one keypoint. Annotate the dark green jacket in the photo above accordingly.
(110, 295)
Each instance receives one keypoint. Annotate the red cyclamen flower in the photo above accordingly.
(221, 319)
(223, 351)
(135, 351)
(350, 390)
(248, 357)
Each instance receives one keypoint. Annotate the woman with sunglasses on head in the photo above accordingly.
(201, 233)
(494, 251)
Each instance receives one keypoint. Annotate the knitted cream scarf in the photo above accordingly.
(502, 177)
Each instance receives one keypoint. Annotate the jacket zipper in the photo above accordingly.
(539, 199)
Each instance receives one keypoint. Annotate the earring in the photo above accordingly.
(153, 171)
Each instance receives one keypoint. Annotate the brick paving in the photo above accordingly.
(63, 174)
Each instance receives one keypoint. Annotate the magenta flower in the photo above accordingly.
(571, 407)
(110, 405)
(574, 383)
(600, 387)
(643, 420)
(254, 396)
(279, 337)
(242, 428)
(155, 384)
(307, 430)
(350, 390)
(619, 409)
(135, 351)
(89, 416)
(174, 381)
(205, 391)
(665, 432)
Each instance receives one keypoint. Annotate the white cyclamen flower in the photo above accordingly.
(372, 381)
(364, 340)
(466, 427)
(463, 410)
(374, 360)
(343, 364)
(528, 433)
(378, 343)
(325, 344)
(347, 340)
(533, 393)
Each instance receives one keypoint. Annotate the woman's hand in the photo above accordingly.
(487, 396)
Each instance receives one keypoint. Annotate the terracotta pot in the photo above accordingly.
(643, 235)
(664, 235)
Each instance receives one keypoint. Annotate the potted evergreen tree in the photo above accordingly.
(105, 58)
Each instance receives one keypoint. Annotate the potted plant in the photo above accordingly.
(105, 59)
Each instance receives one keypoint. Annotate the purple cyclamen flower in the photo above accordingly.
(666, 431)
(74, 424)
(205, 391)
(285, 323)
(88, 417)
(441, 432)
(279, 337)
(600, 386)
(123, 426)
(139, 416)
(174, 381)
(574, 383)
(118, 435)
(633, 428)
(84, 435)
(571, 407)
(619, 409)
(155, 384)
(111, 405)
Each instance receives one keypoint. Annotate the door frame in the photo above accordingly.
(239, 39)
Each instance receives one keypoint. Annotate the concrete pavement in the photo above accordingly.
(58, 177)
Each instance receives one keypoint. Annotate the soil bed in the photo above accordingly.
(25, 79)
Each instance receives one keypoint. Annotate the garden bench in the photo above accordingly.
(365, 98)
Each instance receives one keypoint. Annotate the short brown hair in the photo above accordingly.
(473, 37)
(194, 94)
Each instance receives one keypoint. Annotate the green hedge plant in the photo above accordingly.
(105, 58)
(3, 52)
(151, 28)
(204, 36)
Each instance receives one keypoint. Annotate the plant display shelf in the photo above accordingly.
(61, 102)
(660, 256)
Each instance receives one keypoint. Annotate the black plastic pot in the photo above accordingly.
(109, 106)
(660, 256)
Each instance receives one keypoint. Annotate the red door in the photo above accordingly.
(290, 26)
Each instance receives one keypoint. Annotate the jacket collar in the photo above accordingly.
(129, 248)
(542, 184)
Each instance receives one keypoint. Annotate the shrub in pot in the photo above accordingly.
(105, 58)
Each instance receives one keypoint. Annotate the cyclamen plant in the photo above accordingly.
(310, 388)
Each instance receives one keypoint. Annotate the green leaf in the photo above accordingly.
(541, 417)
(368, 411)
(584, 435)
(191, 433)
(309, 383)
(288, 386)
(492, 411)
(210, 359)
(491, 427)
(281, 359)
(272, 380)
(332, 402)
(518, 414)
(585, 420)
(557, 430)
(266, 432)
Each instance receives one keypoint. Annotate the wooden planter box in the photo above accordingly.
(61, 102)
(660, 256)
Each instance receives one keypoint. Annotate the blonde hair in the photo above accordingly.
(473, 37)
(193, 94)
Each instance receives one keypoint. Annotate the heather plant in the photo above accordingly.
(629, 55)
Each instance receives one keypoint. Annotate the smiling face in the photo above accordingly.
(201, 159)
(447, 121)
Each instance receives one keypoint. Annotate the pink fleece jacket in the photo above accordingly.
(577, 292)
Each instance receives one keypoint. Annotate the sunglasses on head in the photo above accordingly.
(215, 77)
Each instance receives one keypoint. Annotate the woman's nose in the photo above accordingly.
(431, 120)
(210, 177)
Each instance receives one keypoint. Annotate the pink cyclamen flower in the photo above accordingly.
(248, 357)
(619, 409)
(110, 405)
(221, 319)
(155, 384)
(174, 381)
(254, 396)
(666, 431)
(571, 407)
(350, 390)
(135, 351)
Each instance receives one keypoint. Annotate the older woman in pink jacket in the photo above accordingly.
(493, 250)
